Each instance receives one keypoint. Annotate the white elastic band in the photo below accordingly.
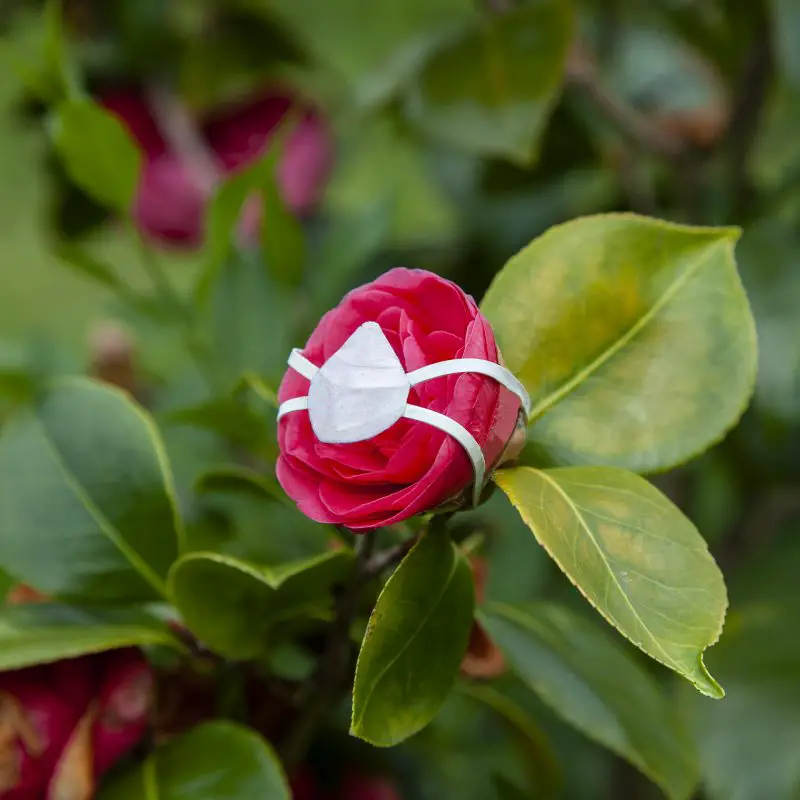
(295, 404)
(476, 365)
(299, 363)
(461, 435)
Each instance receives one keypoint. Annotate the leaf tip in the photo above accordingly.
(705, 683)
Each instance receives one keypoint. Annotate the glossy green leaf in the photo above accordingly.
(632, 554)
(589, 681)
(633, 336)
(373, 66)
(249, 600)
(491, 90)
(86, 499)
(214, 761)
(98, 153)
(533, 744)
(239, 480)
(414, 644)
(40, 633)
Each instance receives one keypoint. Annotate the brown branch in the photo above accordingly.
(633, 126)
(316, 697)
(387, 558)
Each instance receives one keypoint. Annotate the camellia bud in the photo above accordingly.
(398, 404)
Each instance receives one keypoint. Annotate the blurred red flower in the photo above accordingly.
(174, 189)
(64, 725)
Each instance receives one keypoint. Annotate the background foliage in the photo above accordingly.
(463, 131)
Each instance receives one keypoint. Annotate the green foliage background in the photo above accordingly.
(464, 130)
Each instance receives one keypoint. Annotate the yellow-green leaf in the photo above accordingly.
(633, 555)
(633, 336)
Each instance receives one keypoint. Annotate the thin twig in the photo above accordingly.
(316, 697)
(633, 126)
(748, 109)
(387, 558)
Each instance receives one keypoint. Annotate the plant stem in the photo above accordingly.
(316, 697)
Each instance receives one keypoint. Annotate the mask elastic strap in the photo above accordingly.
(300, 364)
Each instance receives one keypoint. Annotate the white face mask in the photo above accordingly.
(362, 390)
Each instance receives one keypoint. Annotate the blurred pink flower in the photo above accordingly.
(174, 192)
(64, 725)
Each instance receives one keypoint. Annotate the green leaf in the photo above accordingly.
(230, 417)
(250, 320)
(414, 644)
(282, 239)
(86, 499)
(759, 660)
(97, 152)
(633, 555)
(633, 336)
(214, 761)
(534, 747)
(589, 681)
(748, 743)
(281, 234)
(239, 480)
(83, 262)
(59, 70)
(491, 90)
(222, 218)
(400, 36)
(381, 165)
(40, 633)
(18, 374)
(346, 247)
(785, 17)
(249, 600)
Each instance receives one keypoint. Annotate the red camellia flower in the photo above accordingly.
(64, 725)
(174, 191)
(410, 467)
